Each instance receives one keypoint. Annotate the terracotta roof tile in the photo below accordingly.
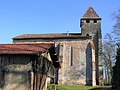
(48, 36)
(23, 48)
(90, 13)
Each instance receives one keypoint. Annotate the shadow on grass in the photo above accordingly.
(102, 88)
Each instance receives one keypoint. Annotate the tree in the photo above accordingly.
(116, 68)
(116, 72)
(108, 55)
(116, 27)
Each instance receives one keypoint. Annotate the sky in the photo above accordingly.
(51, 16)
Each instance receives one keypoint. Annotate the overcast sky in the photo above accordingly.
(50, 16)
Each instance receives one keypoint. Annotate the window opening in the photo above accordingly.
(71, 56)
(87, 21)
(95, 21)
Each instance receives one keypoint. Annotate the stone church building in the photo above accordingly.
(78, 54)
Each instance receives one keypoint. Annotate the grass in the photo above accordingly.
(63, 87)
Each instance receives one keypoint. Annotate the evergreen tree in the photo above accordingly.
(116, 72)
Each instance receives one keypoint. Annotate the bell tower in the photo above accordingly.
(90, 25)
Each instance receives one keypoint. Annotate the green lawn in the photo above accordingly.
(62, 87)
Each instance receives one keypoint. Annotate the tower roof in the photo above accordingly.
(90, 13)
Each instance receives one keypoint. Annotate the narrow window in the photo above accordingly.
(60, 50)
(87, 21)
(60, 53)
(71, 56)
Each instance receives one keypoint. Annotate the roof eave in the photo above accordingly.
(84, 18)
(67, 37)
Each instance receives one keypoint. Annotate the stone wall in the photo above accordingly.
(16, 72)
(73, 68)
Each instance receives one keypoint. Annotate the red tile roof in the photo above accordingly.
(24, 48)
(90, 13)
(48, 36)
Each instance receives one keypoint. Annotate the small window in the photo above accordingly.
(95, 21)
(71, 56)
(87, 21)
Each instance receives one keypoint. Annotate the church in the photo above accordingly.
(77, 55)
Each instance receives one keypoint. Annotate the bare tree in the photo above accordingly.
(109, 51)
(116, 27)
